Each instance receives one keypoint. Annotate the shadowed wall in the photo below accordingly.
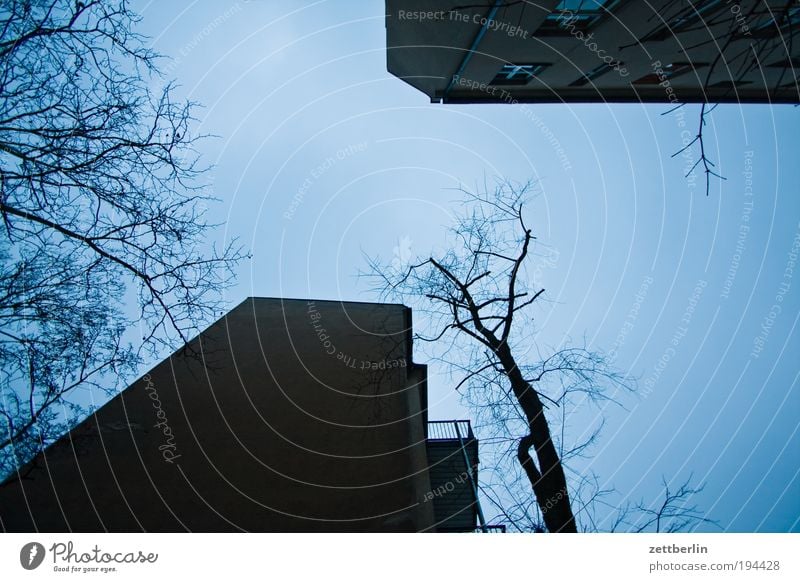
(290, 415)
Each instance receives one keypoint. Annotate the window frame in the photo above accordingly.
(595, 73)
(683, 21)
(771, 27)
(537, 68)
(682, 68)
(551, 25)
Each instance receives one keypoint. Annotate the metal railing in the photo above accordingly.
(491, 529)
(449, 430)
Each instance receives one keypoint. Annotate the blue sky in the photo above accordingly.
(321, 155)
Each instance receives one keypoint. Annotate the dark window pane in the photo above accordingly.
(520, 74)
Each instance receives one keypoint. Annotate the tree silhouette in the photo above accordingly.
(478, 292)
(103, 207)
(478, 297)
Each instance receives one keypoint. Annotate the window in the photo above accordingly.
(692, 14)
(777, 21)
(518, 74)
(790, 63)
(668, 72)
(570, 15)
(688, 18)
(598, 71)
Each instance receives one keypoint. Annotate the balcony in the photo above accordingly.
(453, 461)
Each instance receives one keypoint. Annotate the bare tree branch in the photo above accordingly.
(103, 204)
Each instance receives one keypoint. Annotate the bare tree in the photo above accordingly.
(479, 298)
(102, 206)
(529, 402)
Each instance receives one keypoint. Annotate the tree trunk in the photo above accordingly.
(548, 480)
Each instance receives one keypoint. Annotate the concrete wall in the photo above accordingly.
(290, 415)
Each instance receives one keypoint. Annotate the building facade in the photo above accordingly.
(284, 415)
(678, 51)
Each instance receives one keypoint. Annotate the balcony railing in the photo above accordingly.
(453, 454)
(445, 430)
(491, 529)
